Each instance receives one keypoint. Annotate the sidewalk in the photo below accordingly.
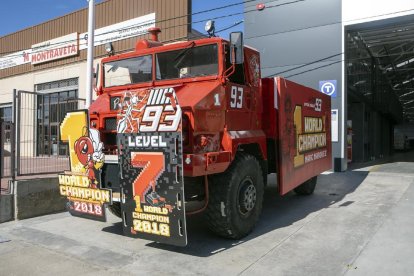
(357, 222)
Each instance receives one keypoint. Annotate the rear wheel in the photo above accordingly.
(236, 198)
(115, 209)
(307, 187)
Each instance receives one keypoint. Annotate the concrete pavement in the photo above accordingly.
(357, 222)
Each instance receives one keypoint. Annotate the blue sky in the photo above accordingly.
(221, 23)
(20, 14)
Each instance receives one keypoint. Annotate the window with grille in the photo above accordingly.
(51, 110)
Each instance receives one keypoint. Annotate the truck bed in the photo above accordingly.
(298, 120)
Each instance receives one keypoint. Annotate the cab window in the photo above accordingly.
(238, 75)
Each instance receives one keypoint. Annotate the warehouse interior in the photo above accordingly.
(379, 68)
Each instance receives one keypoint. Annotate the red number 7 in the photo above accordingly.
(153, 165)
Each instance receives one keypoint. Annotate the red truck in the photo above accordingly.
(191, 127)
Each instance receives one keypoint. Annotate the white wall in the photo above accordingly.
(27, 81)
(359, 11)
(22, 82)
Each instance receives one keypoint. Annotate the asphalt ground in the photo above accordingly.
(357, 222)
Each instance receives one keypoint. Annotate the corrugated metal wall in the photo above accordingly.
(107, 13)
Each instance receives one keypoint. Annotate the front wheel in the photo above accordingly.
(236, 198)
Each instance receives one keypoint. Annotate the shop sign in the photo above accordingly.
(15, 59)
(57, 48)
(70, 45)
(122, 30)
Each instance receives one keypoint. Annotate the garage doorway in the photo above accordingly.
(379, 62)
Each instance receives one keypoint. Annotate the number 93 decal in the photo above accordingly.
(236, 97)
(318, 105)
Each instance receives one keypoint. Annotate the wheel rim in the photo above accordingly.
(247, 196)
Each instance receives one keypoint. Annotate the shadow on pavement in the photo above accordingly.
(278, 212)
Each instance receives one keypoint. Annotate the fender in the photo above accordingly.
(218, 162)
(234, 139)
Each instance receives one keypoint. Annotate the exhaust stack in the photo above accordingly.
(154, 31)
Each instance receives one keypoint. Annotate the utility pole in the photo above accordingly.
(89, 62)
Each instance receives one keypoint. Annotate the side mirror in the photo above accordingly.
(236, 48)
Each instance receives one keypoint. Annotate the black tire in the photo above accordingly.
(236, 198)
(307, 187)
(115, 209)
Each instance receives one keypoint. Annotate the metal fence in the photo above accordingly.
(38, 117)
(30, 144)
(6, 156)
(6, 149)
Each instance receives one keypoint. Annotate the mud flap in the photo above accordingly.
(151, 168)
(82, 185)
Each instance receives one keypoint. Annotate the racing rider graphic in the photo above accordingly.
(129, 122)
(88, 149)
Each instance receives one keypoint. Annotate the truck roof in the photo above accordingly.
(145, 46)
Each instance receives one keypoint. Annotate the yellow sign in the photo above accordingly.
(82, 184)
(310, 137)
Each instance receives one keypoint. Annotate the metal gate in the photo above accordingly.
(6, 149)
(38, 146)
(6, 156)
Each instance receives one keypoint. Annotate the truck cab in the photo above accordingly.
(220, 102)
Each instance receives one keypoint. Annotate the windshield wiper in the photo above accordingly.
(179, 58)
(113, 68)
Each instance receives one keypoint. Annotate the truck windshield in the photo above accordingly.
(128, 71)
(188, 62)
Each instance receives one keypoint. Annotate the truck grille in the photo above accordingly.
(110, 124)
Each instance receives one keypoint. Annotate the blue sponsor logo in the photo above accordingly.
(328, 87)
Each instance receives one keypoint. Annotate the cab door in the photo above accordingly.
(239, 98)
